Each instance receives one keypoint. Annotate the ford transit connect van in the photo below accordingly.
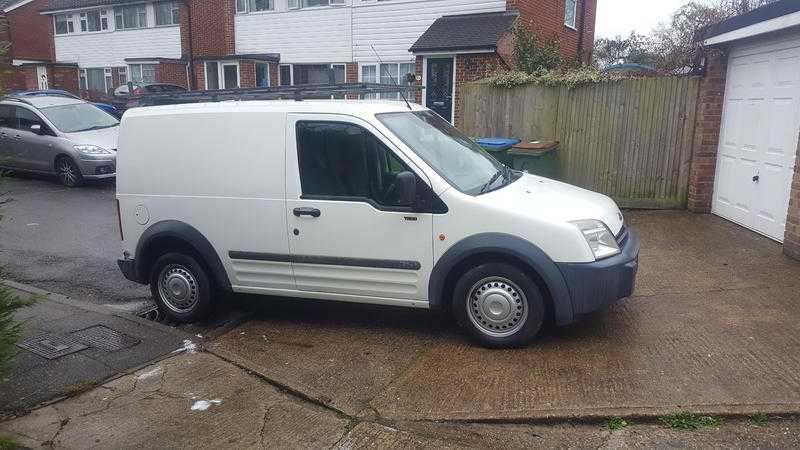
(370, 202)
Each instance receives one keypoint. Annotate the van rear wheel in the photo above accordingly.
(181, 287)
(499, 305)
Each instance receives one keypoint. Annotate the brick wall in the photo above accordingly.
(247, 74)
(419, 69)
(547, 18)
(171, 73)
(212, 28)
(472, 67)
(274, 75)
(30, 33)
(66, 78)
(707, 129)
(791, 243)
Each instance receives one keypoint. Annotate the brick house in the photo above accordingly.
(744, 166)
(30, 62)
(210, 44)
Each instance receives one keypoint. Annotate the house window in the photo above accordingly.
(222, 75)
(570, 11)
(143, 73)
(391, 74)
(295, 4)
(245, 6)
(167, 13)
(318, 74)
(64, 24)
(94, 80)
(122, 74)
(286, 75)
(129, 17)
(92, 21)
(262, 75)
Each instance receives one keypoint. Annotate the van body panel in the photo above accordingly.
(363, 235)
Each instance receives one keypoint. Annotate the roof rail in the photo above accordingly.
(17, 99)
(297, 93)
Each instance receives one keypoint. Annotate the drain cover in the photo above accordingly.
(51, 346)
(105, 338)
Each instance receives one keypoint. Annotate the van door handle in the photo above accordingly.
(311, 212)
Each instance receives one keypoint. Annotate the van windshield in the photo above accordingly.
(454, 156)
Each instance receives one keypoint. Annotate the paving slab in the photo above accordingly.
(31, 379)
(187, 401)
(712, 327)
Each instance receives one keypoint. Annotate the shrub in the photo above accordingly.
(550, 78)
(532, 53)
(9, 329)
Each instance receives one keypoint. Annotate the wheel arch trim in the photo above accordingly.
(182, 231)
(503, 244)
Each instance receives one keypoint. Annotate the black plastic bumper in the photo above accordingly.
(128, 268)
(594, 286)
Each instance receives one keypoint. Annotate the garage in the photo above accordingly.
(759, 133)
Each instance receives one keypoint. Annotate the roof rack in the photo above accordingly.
(12, 98)
(297, 93)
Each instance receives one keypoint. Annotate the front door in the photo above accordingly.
(41, 75)
(439, 87)
(347, 233)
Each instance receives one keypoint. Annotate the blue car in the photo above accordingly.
(111, 109)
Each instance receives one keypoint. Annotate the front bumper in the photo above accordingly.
(595, 286)
(95, 169)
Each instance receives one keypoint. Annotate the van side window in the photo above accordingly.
(346, 161)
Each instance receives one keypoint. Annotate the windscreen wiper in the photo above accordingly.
(494, 178)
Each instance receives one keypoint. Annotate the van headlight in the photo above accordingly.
(599, 238)
(91, 150)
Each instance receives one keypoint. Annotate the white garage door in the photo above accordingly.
(758, 141)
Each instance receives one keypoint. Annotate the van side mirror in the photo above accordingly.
(37, 129)
(406, 185)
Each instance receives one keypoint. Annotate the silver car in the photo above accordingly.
(56, 135)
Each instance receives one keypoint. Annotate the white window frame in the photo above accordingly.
(83, 21)
(175, 8)
(122, 75)
(291, 74)
(246, 9)
(83, 80)
(69, 21)
(141, 72)
(138, 17)
(108, 78)
(255, 69)
(221, 73)
(377, 67)
(298, 4)
(574, 23)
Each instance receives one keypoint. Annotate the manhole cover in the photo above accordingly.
(51, 346)
(105, 338)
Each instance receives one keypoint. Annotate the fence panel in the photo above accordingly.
(630, 139)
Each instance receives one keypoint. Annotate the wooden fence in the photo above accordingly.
(631, 139)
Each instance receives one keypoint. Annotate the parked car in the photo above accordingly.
(124, 100)
(58, 135)
(111, 109)
(369, 202)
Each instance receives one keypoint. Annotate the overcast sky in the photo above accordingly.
(620, 17)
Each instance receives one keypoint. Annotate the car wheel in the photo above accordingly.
(499, 305)
(181, 288)
(68, 172)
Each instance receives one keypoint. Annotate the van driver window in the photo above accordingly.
(344, 160)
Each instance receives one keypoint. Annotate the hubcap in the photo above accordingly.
(67, 173)
(497, 307)
(177, 288)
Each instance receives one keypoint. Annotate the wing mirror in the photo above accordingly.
(406, 183)
(36, 128)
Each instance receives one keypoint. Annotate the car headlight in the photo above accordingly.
(92, 150)
(599, 238)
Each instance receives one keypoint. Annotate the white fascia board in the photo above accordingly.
(776, 24)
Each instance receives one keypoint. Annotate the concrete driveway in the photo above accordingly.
(712, 328)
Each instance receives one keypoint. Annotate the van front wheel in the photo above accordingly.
(499, 305)
(181, 287)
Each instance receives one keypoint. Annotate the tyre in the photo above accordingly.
(69, 174)
(181, 288)
(499, 305)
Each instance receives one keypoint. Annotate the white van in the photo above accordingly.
(369, 202)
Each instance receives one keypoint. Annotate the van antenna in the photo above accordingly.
(391, 77)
